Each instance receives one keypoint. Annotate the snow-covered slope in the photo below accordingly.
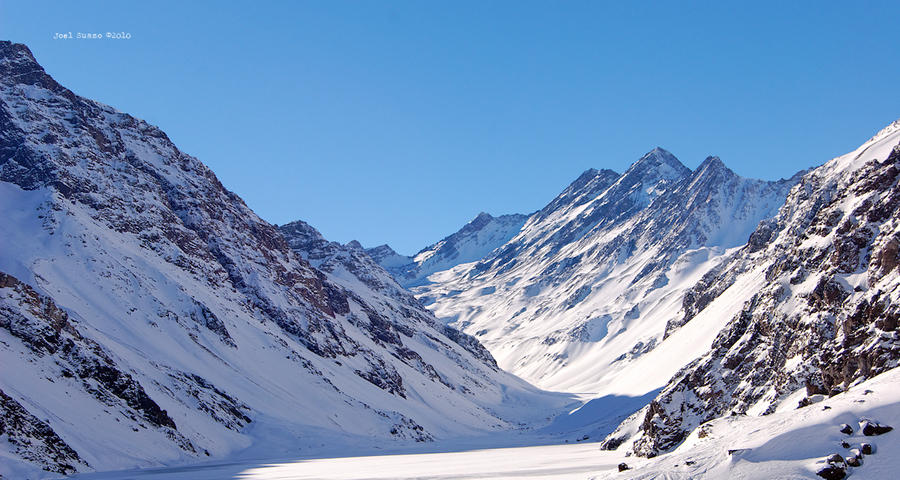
(593, 283)
(472, 242)
(791, 443)
(149, 317)
(817, 297)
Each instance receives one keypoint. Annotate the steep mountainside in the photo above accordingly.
(148, 316)
(818, 296)
(472, 242)
(586, 290)
(351, 267)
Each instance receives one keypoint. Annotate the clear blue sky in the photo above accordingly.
(397, 122)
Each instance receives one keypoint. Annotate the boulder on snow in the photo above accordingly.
(623, 466)
(845, 444)
(809, 400)
(867, 449)
(835, 467)
(852, 461)
(846, 429)
(612, 443)
(870, 428)
(832, 472)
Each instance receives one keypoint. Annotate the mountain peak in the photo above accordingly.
(19, 67)
(658, 164)
(713, 164)
(479, 222)
(892, 127)
(383, 249)
(661, 156)
(298, 227)
(16, 53)
(586, 176)
(712, 171)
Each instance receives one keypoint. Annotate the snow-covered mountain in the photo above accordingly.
(594, 281)
(809, 307)
(352, 268)
(472, 242)
(149, 317)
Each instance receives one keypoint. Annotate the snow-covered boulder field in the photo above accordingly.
(792, 442)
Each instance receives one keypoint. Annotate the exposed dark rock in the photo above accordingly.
(612, 443)
(870, 428)
(222, 407)
(624, 466)
(34, 440)
(410, 429)
(867, 449)
(832, 472)
(48, 330)
(846, 429)
(383, 376)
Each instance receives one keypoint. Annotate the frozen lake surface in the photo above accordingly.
(571, 461)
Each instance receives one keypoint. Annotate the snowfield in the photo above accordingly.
(548, 462)
(789, 444)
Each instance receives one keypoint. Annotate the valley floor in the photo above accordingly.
(577, 461)
(789, 444)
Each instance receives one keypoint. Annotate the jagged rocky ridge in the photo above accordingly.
(587, 287)
(472, 242)
(349, 265)
(148, 316)
(819, 291)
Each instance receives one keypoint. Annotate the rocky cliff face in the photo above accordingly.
(590, 283)
(823, 312)
(148, 316)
